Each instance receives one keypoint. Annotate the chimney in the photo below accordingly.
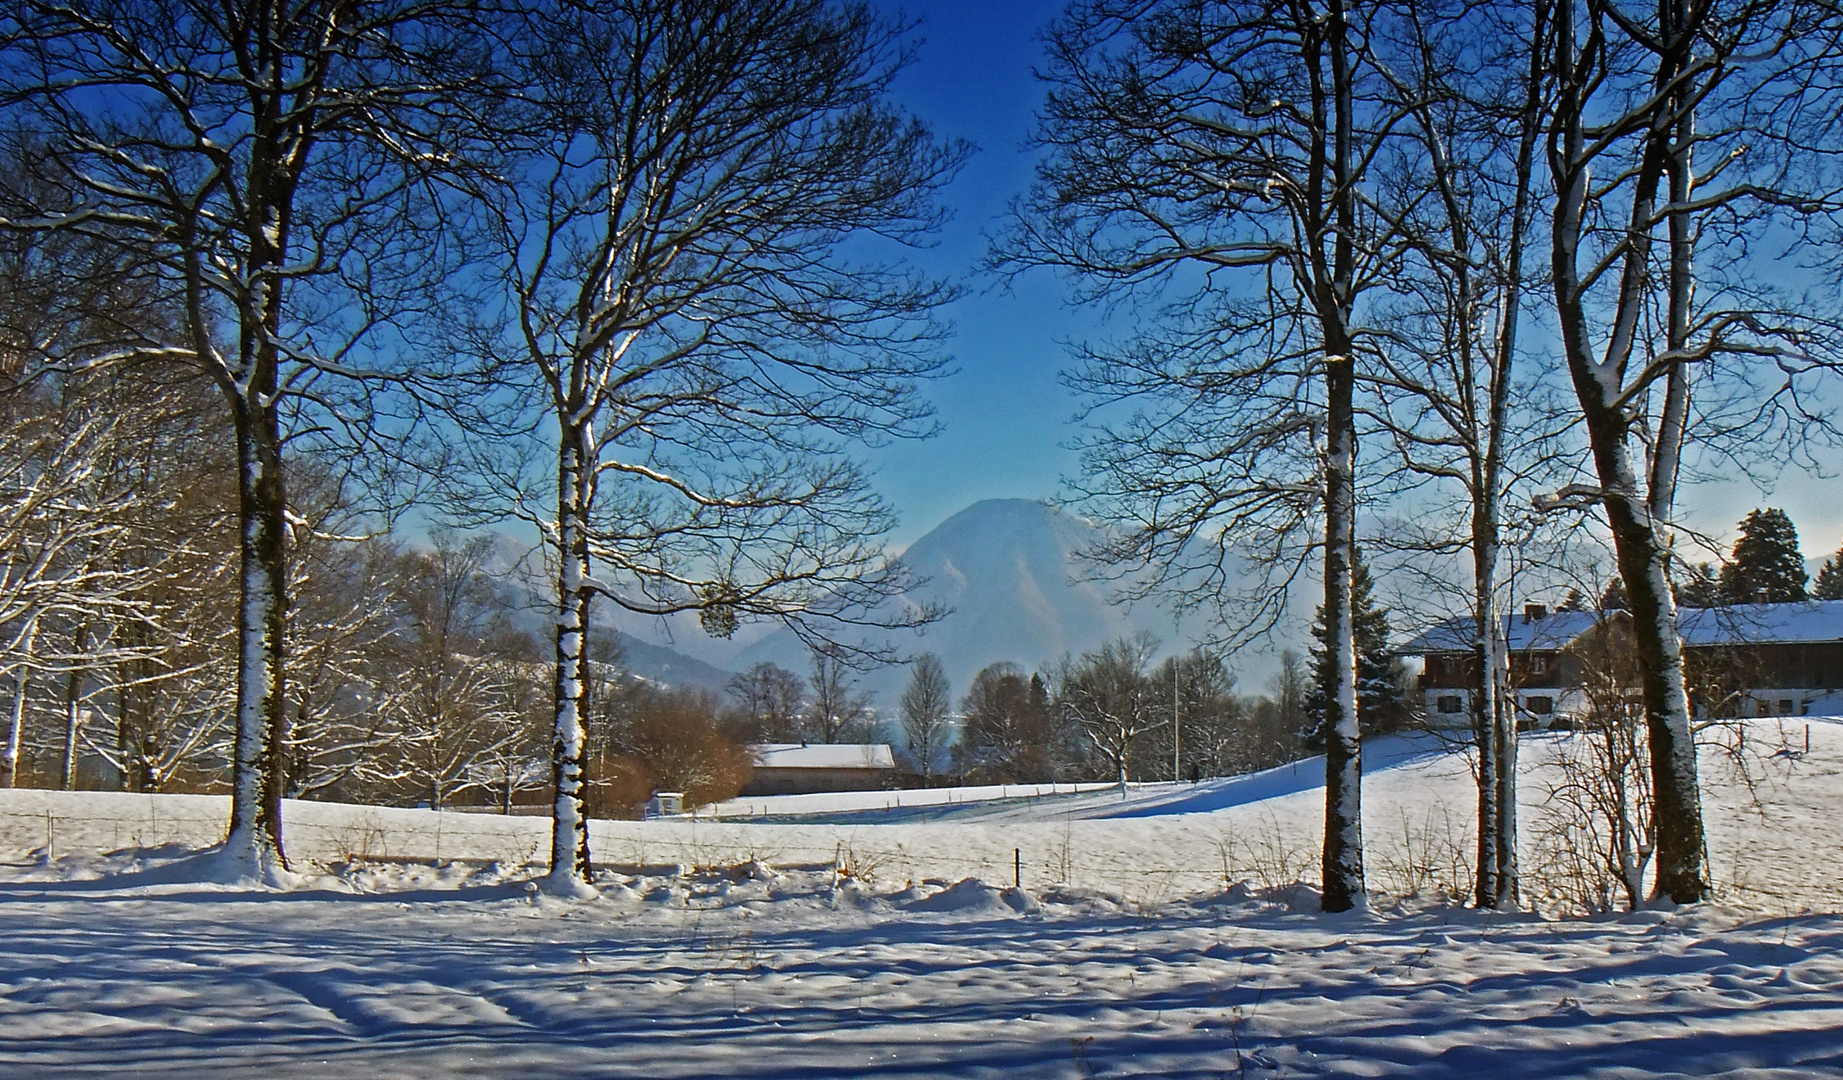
(1535, 612)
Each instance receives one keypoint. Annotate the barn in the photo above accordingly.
(1745, 659)
(804, 768)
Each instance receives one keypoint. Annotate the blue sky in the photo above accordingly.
(1006, 416)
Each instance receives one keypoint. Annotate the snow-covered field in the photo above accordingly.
(1156, 934)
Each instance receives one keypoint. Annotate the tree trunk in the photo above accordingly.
(1484, 733)
(1638, 516)
(255, 834)
(1494, 720)
(1343, 855)
(1504, 718)
(124, 736)
(73, 713)
(16, 726)
(1680, 873)
(569, 838)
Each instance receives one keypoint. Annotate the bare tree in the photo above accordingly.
(1679, 141)
(836, 710)
(459, 712)
(1221, 153)
(1006, 732)
(1443, 387)
(1598, 831)
(671, 741)
(1109, 697)
(254, 161)
(771, 700)
(59, 523)
(924, 713)
(1215, 735)
(345, 698)
(692, 349)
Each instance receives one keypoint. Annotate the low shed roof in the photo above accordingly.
(823, 756)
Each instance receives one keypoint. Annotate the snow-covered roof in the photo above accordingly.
(823, 756)
(1552, 631)
(1754, 624)
(1740, 624)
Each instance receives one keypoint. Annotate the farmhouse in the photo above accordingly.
(802, 768)
(1742, 660)
(1546, 670)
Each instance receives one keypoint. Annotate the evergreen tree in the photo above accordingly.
(1700, 588)
(1767, 567)
(1830, 579)
(1380, 704)
(1613, 599)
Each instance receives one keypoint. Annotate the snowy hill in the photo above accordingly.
(1008, 571)
(1157, 932)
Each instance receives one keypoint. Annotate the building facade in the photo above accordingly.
(1744, 660)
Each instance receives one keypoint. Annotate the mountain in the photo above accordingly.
(510, 564)
(656, 663)
(1007, 569)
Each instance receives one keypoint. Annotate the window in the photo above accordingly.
(1450, 703)
(1539, 664)
(1785, 707)
(1541, 706)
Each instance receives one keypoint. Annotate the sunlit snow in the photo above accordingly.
(1157, 933)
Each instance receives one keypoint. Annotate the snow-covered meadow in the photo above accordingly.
(1155, 934)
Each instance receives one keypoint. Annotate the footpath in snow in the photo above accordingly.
(1157, 933)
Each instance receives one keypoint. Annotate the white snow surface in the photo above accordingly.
(823, 755)
(1158, 932)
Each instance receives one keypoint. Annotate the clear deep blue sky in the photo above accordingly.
(1006, 416)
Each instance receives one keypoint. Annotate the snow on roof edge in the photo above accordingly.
(823, 756)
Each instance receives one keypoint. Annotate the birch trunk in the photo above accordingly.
(73, 714)
(16, 725)
(254, 838)
(1343, 855)
(1637, 510)
(569, 839)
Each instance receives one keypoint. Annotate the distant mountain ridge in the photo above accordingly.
(1008, 570)
(656, 663)
(649, 660)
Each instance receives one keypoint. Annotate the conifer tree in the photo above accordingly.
(1830, 579)
(1767, 567)
(1700, 587)
(1380, 705)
